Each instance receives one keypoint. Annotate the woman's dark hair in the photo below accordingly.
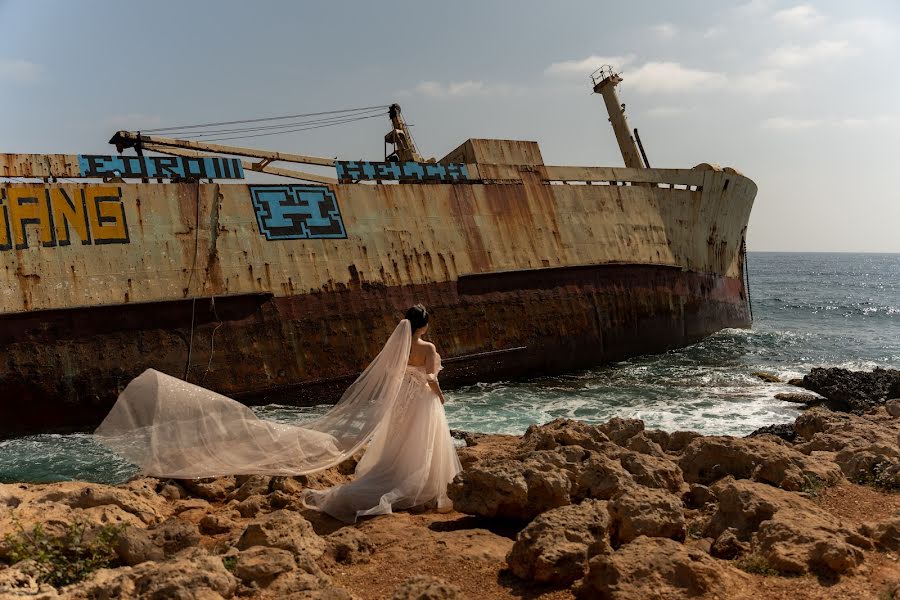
(417, 316)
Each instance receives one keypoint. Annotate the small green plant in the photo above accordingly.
(66, 559)
(813, 486)
(695, 528)
(886, 476)
(756, 563)
(229, 562)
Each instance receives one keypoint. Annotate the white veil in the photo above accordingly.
(171, 428)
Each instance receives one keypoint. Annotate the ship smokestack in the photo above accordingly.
(605, 80)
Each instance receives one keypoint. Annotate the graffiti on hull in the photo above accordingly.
(349, 171)
(91, 214)
(297, 212)
(160, 167)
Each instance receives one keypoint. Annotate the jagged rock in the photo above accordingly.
(556, 546)
(866, 446)
(284, 500)
(288, 485)
(795, 381)
(783, 431)
(261, 565)
(250, 485)
(658, 436)
(517, 489)
(10, 496)
(539, 480)
(348, 467)
(885, 534)
(727, 546)
(658, 568)
(424, 587)
(708, 459)
(698, 496)
(857, 391)
(893, 407)
(643, 444)
(798, 397)
(283, 529)
(654, 472)
(171, 491)
(621, 430)
(791, 544)
(134, 546)
(349, 546)
(638, 511)
(215, 488)
(174, 535)
(87, 496)
(189, 504)
(216, 524)
(793, 534)
(767, 377)
(180, 579)
(877, 464)
(601, 478)
(21, 581)
(470, 438)
(564, 432)
(679, 440)
(252, 505)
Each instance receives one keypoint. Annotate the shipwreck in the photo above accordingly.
(167, 255)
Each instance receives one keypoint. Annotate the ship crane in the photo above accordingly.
(190, 148)
(401, 139)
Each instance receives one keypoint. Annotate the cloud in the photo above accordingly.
(869, 29)
(20, 71)
(665, 31)
(585, 66)
(664, 77)
(459, 89)
(762, 82)
(670, 111)
(791, 123)
(796, 123)
(713, 32)
(754, 8)
(788, 57)
(802, 16)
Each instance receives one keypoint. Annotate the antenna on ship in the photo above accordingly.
(605, 80)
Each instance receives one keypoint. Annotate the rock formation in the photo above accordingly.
(610, 510)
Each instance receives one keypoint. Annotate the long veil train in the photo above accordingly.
(171, 428)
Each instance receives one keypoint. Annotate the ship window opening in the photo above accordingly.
(725, 187)
(664, 186)
(679, 186)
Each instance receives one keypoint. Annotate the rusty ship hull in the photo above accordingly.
(283, 293)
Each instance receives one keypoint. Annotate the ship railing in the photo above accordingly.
(679, 179)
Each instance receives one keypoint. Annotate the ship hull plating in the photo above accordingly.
(283, 293)
(306, 349)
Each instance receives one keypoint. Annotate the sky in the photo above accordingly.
(802, 97)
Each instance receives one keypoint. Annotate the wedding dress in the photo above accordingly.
(174, 429)
(409, 462)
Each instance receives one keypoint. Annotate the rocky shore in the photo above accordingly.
(568, 510)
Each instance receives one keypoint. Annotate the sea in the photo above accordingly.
(809, 310)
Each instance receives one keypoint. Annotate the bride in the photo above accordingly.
(174, 429)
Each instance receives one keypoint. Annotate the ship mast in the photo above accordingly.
(605, 80)
(401, 139)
